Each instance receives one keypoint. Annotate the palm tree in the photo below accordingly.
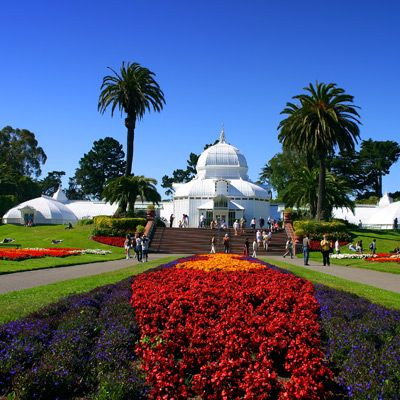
(325, 118)
(125, 190)
(302, 191)
(133, 91)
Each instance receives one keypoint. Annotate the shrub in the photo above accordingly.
(334, 229)
(86, 221)
(109, 226)
(6, 202)
(140, 229)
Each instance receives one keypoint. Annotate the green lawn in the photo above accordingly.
(17, 304)
(41, 236)
(386, 241)
(379, 296)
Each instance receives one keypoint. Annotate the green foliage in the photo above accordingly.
(51, 182)
(20, 152)
(334, 229)
(324, 118)
(140, 229)
(125, 190)
(369, 200)
(103, 162)
(109, 226)
(85, 221)
(133, 91)
(74, 191)
(7, 201)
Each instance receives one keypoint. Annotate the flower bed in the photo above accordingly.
(110, 240)
(247, 332)
(24, 254)
(81, 347)
(352, 256)
(384, 257)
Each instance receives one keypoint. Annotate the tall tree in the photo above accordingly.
(133, 91)
(51, 182)
(74, 191)
(103, 162)
(324, 118)
(377, 157)
(20, 152)
(125, 190)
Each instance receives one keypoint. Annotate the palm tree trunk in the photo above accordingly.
(321, 188)
(130, 123)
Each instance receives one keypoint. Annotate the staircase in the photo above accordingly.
(197, 240)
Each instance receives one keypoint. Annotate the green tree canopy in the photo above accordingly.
(125, 190)
(74, 191)
(323, 118)
(51, 182)
(134, 92)
(103, 162)
(20, 152)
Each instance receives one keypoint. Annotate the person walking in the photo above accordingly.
(306, 249)
(325, 250)
(127, 246)
(145, 249)
(246, 249)
(236, 226)
(242, 224)
(226, 243)
(171, 220)
(212, 251)
(288, 248)
(254, 249)
(212, 224)
(253, 224)
(259, 238)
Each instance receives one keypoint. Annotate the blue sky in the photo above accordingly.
(236, 62)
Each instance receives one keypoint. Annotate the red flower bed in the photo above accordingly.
(385, 257)
(23, 254)
(110, 240)
(229, 335)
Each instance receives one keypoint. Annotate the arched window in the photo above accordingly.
(220, 202)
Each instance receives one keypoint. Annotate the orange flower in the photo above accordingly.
(221, 262)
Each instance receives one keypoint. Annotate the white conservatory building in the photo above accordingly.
(221, 190)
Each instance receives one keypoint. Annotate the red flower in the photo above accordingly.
(110, 240)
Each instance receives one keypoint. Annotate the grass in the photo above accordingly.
(386, 241)
(378, 296)
(41, 236)
(14, 305)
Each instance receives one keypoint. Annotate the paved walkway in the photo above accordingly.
(382, 280)
(30, 279)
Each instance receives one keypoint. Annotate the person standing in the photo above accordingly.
(236, 227)
(212, 224)
(247, 247)
(171, 220)
(254, 249)
(253, 224)
(306, 249)
(202, 221)
(395, 223)
(337, 246)
(372, 246)
(138, 248)
(265, 240)
(127, 246)
(261, 222)
(226, 243)
(325, 250)
(259, 238)
(212, 245)
(145, 249)
(288, 248)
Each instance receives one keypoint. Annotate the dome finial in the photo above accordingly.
(222, 135)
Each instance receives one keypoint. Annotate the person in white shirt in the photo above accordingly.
(253, 224)
(259, 238)
(266, 240)
(337, 246)
(202, 221)
(236, 226)
(254, 249)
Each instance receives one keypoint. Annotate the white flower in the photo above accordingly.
(354, 256)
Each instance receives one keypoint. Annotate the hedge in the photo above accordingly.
(109, 226)
(333, 229)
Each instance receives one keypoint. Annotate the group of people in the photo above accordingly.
(140, 245)
(358, 247)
